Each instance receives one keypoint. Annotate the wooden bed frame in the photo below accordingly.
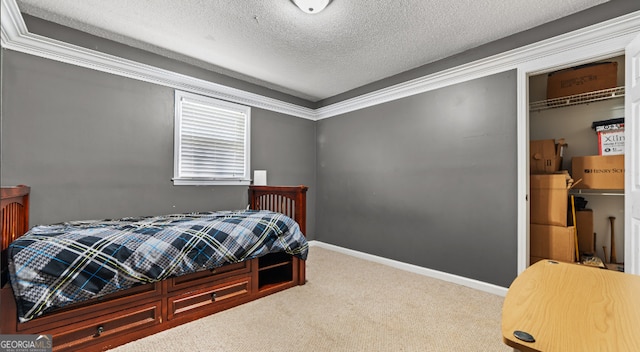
(124, 316)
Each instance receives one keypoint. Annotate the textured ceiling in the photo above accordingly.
(274, 44)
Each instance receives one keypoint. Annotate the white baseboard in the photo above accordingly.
(475, 284)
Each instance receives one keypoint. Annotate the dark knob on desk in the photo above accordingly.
(524, 336)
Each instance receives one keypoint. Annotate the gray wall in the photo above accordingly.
(428, 180)
(94, 145)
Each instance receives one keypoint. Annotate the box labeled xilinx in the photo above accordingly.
(610, 136)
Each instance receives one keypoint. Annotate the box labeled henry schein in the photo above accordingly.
(598, 172)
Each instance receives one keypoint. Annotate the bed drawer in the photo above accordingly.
(73, 337)
(209, 299)
(93, 308)
(207, 276)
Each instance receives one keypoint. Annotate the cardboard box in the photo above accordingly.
(598, 171)
(552, 242)
(582, 79)
(545, 156)
(610, 136)
(611, 142)
(548, 199)
(584, 227)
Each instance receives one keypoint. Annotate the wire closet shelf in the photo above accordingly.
(583, 98)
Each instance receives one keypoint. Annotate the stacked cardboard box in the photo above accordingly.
(546, 156)
(549, 194)
(550, 237)
(552, 242)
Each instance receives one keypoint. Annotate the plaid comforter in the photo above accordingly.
(55, 265)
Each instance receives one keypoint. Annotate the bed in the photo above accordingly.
(263, 251)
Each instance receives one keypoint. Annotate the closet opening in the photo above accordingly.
(576, 164)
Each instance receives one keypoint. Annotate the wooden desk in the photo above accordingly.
(569, 307)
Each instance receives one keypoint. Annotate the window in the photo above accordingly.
(211, 141)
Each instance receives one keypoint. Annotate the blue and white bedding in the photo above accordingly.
(56, 265)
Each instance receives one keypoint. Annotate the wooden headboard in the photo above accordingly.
(15, 213)
(14, 205)
(288, 200)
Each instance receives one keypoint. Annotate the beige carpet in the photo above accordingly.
(348, 304)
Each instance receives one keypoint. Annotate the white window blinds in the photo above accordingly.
(211, 141)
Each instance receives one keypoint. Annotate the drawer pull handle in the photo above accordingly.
(213, 297)
(100, 330)
(213, 271)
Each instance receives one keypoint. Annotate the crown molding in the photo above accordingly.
(15, 36)
(614, 33)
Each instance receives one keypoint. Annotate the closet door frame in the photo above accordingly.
(571, 57)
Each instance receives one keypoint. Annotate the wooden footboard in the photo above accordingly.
(124, 316)
(290, 201)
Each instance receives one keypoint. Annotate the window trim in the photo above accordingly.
(177, 144)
